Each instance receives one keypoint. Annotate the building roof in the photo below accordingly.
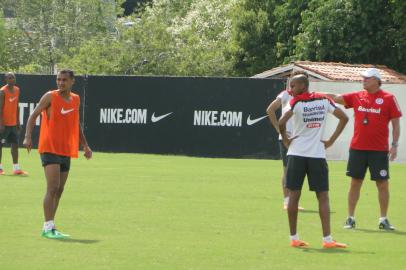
(326, 71)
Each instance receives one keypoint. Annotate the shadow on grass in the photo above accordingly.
(80, 241)
(333, 251)
(380, 231)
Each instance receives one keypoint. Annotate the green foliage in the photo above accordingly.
(165, 40)
(349, 31)
(253, 37)
(2, 40)
(47, 29)
(194, 37)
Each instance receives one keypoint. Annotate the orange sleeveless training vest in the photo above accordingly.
(10, 105)
(59, 134)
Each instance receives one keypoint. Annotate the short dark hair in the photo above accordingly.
(298, 72)
(302, 79)
(67, 71)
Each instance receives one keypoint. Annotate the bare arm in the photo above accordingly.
(393, 152)
(18, 116)
(282, 128)
(275, 105)
(343, 120)
(337, 98)
(82, 140)
(43, 104)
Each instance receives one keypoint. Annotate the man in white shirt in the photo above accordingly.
(307, 154)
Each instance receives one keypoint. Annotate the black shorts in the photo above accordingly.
(49, 158)
(9, 135)
(376, 161)
(316, 170)
(283, 151)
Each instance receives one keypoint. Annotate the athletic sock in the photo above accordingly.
(1, 166)
(328, 239)
(49, 225)
(382, 219)
(294, 237)
(16, 167)
(351, 217)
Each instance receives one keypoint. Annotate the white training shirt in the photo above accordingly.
(309, 121)
(285, 97)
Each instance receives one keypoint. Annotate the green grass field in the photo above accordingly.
(130, 211)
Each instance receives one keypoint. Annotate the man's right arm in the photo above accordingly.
(275, 105)
(43, 104)
(336, 98)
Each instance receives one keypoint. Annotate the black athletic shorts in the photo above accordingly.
(283, 151)
(9, 135)
(49, 158)
(376, 161)
(316, 170)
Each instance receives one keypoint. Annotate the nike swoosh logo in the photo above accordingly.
(63, 111)
(159, 118)
(12, 99)
(251, 122)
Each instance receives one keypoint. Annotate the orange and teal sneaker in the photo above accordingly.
(298, 243)
(334, 244)
(20, 172)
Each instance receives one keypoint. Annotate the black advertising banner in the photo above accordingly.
(217, 117)
(32, 88)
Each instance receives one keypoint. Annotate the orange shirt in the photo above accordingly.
(59, 133)
(10, 105)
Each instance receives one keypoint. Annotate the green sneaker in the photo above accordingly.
(63, 234)
(54, 234)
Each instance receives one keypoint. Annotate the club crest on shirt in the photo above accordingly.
(379, 101)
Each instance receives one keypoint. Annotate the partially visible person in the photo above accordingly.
(60, 136)
(374, 109)
(10, 121)
(282, 101)
(307, 154)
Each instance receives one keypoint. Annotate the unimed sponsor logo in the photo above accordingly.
(217, 118)
(123, 116)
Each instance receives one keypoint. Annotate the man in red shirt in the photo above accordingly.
(373, 110)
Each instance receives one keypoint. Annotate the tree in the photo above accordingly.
(254, 39)
(288, 20)
(168, 38)
(348, 31)
(50, 28)
(399, 18)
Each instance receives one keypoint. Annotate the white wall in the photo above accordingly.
(339, 151)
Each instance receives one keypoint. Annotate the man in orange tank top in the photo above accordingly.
(9, 121)
(60, 136)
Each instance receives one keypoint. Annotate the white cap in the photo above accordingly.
(371, 72)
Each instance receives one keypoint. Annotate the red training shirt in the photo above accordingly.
(378, 108)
